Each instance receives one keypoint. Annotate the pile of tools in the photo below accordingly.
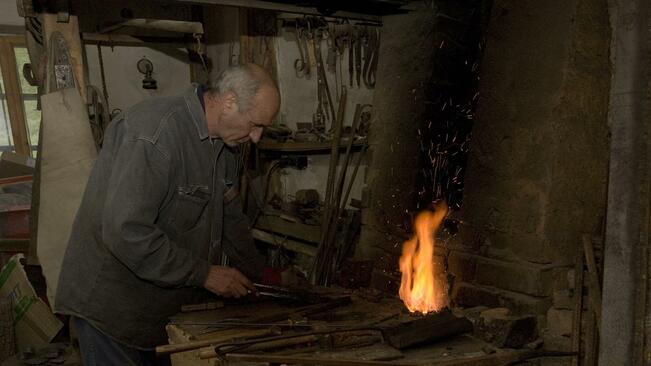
(330, 253)
(333, 325)
(335, 328)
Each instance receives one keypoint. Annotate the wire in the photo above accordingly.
(199, 50)
(102, 74)
(262, 203)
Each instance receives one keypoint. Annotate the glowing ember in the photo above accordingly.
(422, 287)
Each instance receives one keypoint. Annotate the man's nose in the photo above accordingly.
(255, 135)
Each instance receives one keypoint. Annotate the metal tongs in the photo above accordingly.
(278, 292)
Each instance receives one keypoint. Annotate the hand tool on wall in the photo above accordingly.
(351, 57)
(358, 58)
(322, 81)
(341, 41)
(333, 215)
(318, 274)
(301, 66)
(370, 57)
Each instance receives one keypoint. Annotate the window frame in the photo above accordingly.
(13, 92)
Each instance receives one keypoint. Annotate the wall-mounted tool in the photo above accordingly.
(146, 68)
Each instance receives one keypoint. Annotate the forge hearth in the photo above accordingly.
(415, 329)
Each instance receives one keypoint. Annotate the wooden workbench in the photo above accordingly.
(187, 327)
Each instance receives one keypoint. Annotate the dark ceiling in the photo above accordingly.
(371, 7)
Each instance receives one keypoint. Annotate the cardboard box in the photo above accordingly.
(34, 324)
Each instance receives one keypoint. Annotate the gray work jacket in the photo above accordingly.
(152, 220)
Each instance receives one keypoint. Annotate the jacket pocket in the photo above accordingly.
(189, 205)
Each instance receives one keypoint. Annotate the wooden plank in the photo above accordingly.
(178, 26)
(578, 306)
(69, 152)
(12, 29)
(14, 97)
(289, 244)
(70, 32)
(15, 40)
(591, 341)
(14, 245)
(131, 41)
(594, 287)
(290, 146)
(499, 358)
(376, 352)
(298, 230)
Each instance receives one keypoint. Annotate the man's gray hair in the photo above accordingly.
(239, 80)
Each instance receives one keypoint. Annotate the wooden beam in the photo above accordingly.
(594, 287)
(15, 40)
(578, 306)
(178, 26)
(286, 8)
(14, 245)
(12, 29)
(14, 97)
(506, 357)
(132, 41)
(70, 31)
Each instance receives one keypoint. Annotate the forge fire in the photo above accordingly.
(422, 287)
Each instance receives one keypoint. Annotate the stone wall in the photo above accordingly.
(538, 166)
(404, 68)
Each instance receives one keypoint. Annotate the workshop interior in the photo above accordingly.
(445, 182)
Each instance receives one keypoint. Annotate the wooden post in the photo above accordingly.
(578, 307)
(70, 31)
(14, 97)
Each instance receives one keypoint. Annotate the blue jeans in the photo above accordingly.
(98, 349)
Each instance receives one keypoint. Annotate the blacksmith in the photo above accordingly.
(160, 209)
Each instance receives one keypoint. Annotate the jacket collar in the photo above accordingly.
(196, 111)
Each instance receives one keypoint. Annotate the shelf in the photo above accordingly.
(318, 146)
(289, 244)
(14, 245)
(296, 230)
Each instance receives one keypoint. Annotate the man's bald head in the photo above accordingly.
(249, 83)
(240, 103)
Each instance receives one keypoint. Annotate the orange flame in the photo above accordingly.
(422, 287)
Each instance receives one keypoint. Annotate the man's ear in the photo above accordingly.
(229, 101)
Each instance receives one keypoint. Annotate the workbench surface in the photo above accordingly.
(193, 326)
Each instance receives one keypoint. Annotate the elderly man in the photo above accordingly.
(160, 208)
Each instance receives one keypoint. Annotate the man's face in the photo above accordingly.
(240, 127)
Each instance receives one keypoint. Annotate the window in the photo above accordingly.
(19, 117)
(6, 139)
(30, 99)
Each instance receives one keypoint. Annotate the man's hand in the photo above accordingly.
(228, 282)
